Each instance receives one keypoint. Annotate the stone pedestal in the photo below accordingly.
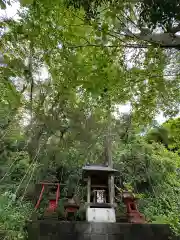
(55, 230)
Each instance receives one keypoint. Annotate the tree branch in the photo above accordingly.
(175, 29)
(164, 39)
(124, 45)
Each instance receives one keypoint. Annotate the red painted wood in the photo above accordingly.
(133, 214)
(40, 197)
(52, 205)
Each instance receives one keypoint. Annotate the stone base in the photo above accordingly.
(106, 215)
(55, 230)
(50, 215)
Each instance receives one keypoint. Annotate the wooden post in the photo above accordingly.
(108, 154)
(112, 189)
(89, 190)
(40, 197)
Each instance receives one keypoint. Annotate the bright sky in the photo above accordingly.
(11, 12)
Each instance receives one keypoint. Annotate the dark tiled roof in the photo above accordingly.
(98, 168)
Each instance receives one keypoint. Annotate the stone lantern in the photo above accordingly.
(132, 213)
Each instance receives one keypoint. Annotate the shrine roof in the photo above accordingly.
(98, 168)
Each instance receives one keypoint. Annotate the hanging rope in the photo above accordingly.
(31, 175)
(17, 189)
(8, 173)
(29, 168)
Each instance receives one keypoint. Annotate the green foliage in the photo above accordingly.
(2, 4)
(160, 135)
(84, 61)
(13, 215)
(167, 134)
(22, 164)
(91, 7)
(173, 126)
(160, 13)
(26, 2)
(152, 171)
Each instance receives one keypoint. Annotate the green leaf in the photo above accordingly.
(26, 2)
(105, 28)
(2, 4)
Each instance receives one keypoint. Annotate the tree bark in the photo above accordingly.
(166, 40)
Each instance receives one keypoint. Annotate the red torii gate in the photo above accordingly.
(53, 203)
